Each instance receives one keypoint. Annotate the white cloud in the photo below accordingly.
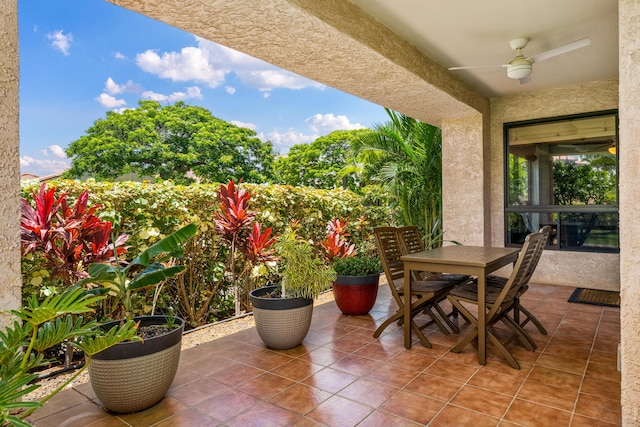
(119, 55)
(230, 90)
(244, 124)
(109, 101)
(323, 124)
(112, 88)
(210, 63)
(192, 92)
(61, 41)
(42, 167)
(289, 138)
(57, 151)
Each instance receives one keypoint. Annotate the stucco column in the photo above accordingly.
(11, 283)
(465, 172)
(629, 158)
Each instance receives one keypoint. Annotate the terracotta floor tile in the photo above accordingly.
(381, 350)
(60, 402)
(263, 415)
(483, 401)
(300, 398)
(597, 387)
(455, 416)
(265, 385)
(606, 345)
(412, 360)
(267, 360)
(227, 405)
(534, 415)
(338, 411)
(392, 375)
(568, 348)
(197, 391)
(451, 370)
(236, 374)
(434, 386)
(561, 363)
(324, 356)
(348, 344)
(211, 365)
(582, 421)
(381, 418)
(549, 395)
(330, 380)
(368, 392)
(603, 372)
(114, 421)
(166, 408)
(355, 365)
(565, 380)
(297, 369)
(415, 407)
(597, 407)
(496, 382)
(75, 416)
(189, 417)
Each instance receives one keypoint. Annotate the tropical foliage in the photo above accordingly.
(178, 142)
(405, 156)
(320, 164)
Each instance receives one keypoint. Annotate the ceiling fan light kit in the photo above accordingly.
(520, 67)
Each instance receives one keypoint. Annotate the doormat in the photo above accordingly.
(595, 297)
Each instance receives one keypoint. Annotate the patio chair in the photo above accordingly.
(499, 301)
(518, 308)
(425, 293)
(411, 242)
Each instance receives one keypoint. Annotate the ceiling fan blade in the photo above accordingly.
(526, 79)
(562, 49)
(468, 67)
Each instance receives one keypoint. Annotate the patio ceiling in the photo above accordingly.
(471, 32)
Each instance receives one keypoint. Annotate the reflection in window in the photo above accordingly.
(563, 173)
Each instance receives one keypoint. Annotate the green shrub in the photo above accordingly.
(357, 266)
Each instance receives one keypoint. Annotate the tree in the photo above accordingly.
(320, 163)
(171, 142)
(405, 155)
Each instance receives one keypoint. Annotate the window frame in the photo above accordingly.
(558, 209)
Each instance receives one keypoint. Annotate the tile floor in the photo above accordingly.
(342, 376)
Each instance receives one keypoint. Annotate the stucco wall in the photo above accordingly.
(629, 16)
(9, 161)
(592, 270)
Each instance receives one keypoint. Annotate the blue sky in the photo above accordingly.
(80, 59)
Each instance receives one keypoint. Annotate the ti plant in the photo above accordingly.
(151, 268)
(44, 325)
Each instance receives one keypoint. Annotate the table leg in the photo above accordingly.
(407, 307)
(482, 315)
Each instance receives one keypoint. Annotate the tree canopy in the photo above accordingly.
(319, 164)
(175, 142)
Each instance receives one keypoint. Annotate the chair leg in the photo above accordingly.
(506, 353)
(519, 333)
(435, 320)
(399, 315)
(530, 317)
(418, 331)
(445, 317)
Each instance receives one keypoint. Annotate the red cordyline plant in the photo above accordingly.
(336, 244)
(68, 239)
(236, 225)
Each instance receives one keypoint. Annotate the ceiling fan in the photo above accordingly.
(520, 66)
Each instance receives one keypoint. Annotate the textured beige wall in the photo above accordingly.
(629, 18)
(11, 284)
(598, 271)
(464, 183)
(330, 41)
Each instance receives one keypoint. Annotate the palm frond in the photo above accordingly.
(94, 344)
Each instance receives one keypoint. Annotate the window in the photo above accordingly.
(563, 172)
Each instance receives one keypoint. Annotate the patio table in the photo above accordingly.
(470, 260)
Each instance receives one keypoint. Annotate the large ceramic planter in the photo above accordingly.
(133, 376)
(282, 323)
(356, 295)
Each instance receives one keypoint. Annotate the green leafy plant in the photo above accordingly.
(359, 265)
(151, 268)
(44, 325)
(304, 273)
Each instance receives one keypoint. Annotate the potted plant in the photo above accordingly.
(44, 325)
(135, 375)
(356, 286)
(283, 313)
